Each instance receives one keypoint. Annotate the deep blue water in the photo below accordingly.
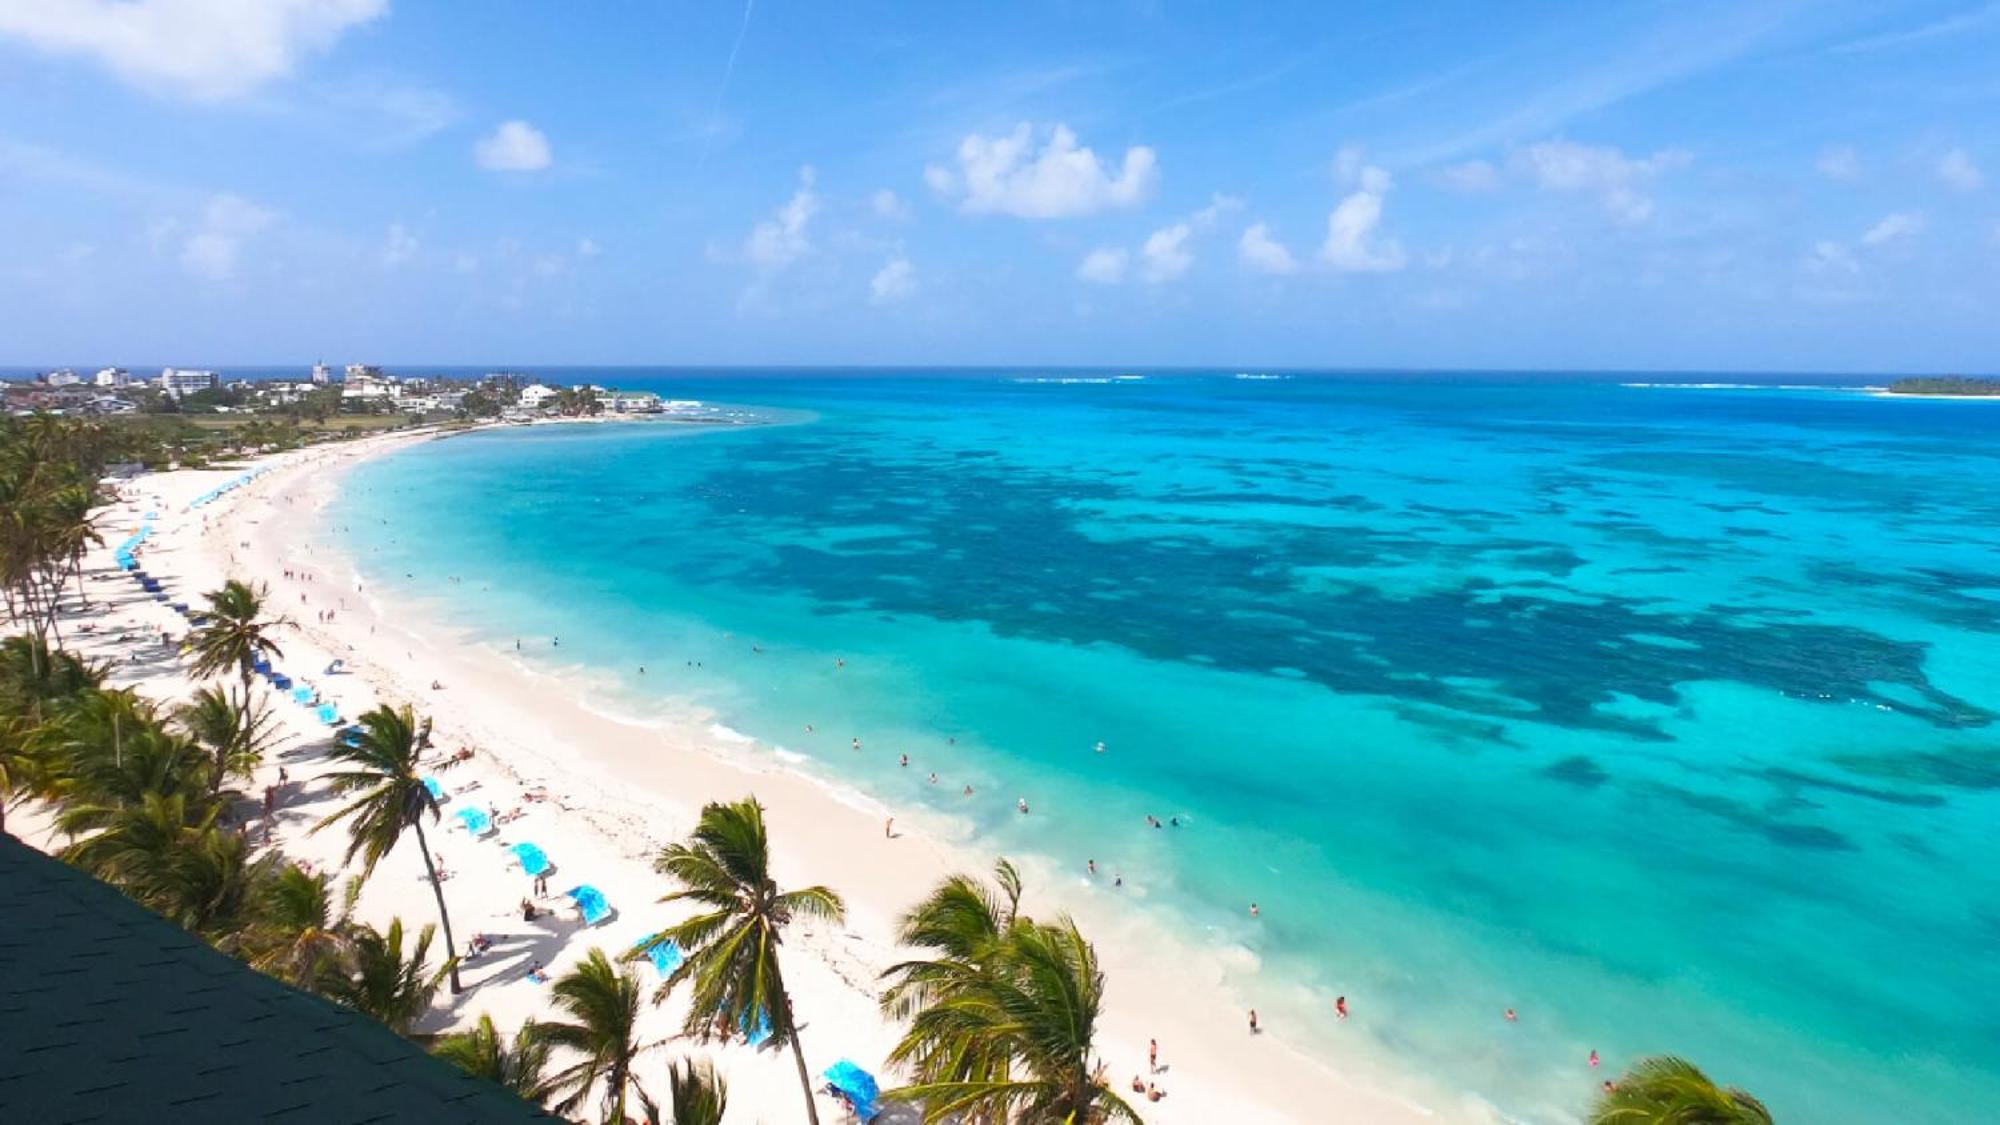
(1664, 716)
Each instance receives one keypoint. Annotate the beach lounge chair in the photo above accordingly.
(666, 957)
(478, 822)
(590, 903)
(532, 859)
(858, 1086)
(436, 790)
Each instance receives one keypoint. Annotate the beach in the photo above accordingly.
(617, 790)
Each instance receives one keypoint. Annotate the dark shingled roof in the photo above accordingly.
(110, 1013)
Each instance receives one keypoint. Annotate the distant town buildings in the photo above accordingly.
(363, 371)
(113, 377)
(322, 374)
(62, 378)
(534, 396)
(179, 381)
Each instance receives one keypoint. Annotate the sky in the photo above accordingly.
(1686, 185)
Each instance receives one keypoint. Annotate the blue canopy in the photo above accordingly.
(476, 821)
(329, 714)
(860, 1087)
(666, 956)
(760, 1031)
(281, 681)
(532, 860)
(302, 694)
(436, 790)
(591, 902)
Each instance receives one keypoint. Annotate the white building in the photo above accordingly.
(635, 402)
(63, 378)
(363, 371)
(360, 385)
(322, 374)
(178, 381)
(113, 377)
(534, 396)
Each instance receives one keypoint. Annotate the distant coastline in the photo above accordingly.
(1944, 386)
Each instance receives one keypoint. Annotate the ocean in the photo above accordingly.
(1663, 715)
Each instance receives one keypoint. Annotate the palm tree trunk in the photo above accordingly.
(437, 888)
(799, 1057)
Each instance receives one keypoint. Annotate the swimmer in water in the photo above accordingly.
(1022, 804)
(1253, 910)
(1593, 1058)
(1340, 1006)
(903, 760)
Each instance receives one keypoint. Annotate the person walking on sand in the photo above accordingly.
(1153, 1055)
(889, 828)
(1253, 1022)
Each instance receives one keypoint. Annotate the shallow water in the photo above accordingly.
(1663, 716)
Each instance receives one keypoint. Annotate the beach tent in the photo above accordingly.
(261, 667)
(756, 1033)
(476, 821)
(533, 861)
(436, 791)
(302, 694)
(590, 903)
(351, 736)
(281, 681)
(666, 956)
(858, 1086)
(329, 714)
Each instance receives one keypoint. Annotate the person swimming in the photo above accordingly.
(1340, 1007)
(1022, 804)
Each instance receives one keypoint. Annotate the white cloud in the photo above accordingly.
(1473, 175)
(1958, 171)
(588, 248)
(893, 282)
(1007, 175)
(780, 240)
(399, 246)
(515, 146)
(1829, 257)
(1894, 227)
(1257, 250)
(214, 248)
(1165, 256)
(201, 49)
(1616, 179)
(889, 205)
(1352, 245)
(1103, 266)
(1839, 163)
(1219, 204)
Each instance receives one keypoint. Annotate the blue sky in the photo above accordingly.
(1686, 185)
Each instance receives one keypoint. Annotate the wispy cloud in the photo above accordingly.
(1947, 27)
(1009, 175)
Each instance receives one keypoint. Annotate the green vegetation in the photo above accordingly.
(1946, 385)
(1668, 1091)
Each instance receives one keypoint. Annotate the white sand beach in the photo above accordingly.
(615, 792)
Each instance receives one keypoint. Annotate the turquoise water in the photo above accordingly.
(1663, 716)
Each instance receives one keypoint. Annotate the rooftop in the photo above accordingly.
(109, 1013)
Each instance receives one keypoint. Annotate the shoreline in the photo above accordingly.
(620, 788)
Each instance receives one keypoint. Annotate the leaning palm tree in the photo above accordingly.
(1015, 1041)
(516, 1066)
(732, 946)
(383, 983)
(392, 797)
(696, 1094)
(238, 634)
(602, 1001)
(236, 729)
(300, 933)
(1664, 1090)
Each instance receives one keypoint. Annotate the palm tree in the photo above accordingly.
(300, 934)
(167, 853)
(517, 1066)
(392, 798)
(105, 751)
(602, 1001)
(732, 947)
(1012, 1041)
(1664, 1090)
(696, 1093)
(237, 635)
(383, 983)
(963, 923)
(236, 728)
